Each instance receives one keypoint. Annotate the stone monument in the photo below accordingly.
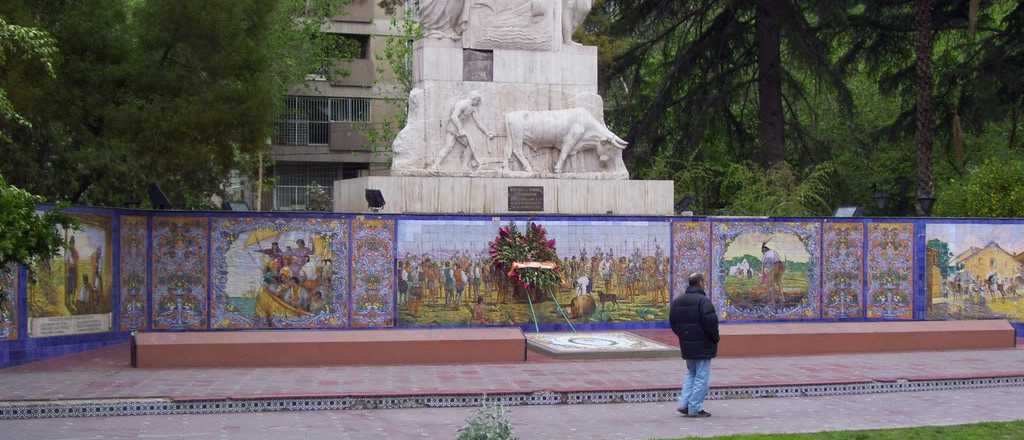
(504, 99)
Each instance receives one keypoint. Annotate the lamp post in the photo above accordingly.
(925, 203)
(882, 200)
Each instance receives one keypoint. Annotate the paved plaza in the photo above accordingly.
(105, 373)
(562, 422)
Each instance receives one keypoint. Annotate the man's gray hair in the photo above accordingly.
(695, 278)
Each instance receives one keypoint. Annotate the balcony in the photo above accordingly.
(357, 11)
(360, 73)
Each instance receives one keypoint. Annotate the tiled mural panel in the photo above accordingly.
(691, 253)
(279, 272)
(613, 271)
(9, 303)
(974, 271)
(373, 272)
(134, 273)
(890, 263)
(843, 270)
(766, 270)
(72, 293)
(180, 273)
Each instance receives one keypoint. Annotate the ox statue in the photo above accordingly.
(571, 131)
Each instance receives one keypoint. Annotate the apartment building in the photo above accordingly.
(321, 136)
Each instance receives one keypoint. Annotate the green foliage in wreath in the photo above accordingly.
(512, 246)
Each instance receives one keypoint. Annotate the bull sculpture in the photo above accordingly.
(570, 131)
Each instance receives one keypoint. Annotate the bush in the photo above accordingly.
(779, 191)
(993, 189)
(488, 423)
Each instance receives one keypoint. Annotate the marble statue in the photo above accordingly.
(444, 18)
(573, 14)
(408, 144)
(570, 131)
(463, 111)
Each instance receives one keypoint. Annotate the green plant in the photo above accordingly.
(778, 191)
(993, 189)
(319, 198)
(487, 423)
(28, 237)
(600, 315)
(512, 246)
(396, 56)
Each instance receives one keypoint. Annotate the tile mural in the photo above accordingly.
(612, 271)
(843, 270)
(179, 273)
(766, 270)
(691, 253)
(9, 303)
(890, 272)
(71, 294)
(975, 271)
(279, 272)
(373, 272)
(134, 274)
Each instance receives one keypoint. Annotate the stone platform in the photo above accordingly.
(798, 339)
(598, 345)
(290, 348)
(482, 195)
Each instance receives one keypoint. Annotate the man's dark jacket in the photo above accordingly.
(695, 322)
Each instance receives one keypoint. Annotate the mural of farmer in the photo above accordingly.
(772, 270)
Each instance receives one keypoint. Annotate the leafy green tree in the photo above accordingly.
(23, 44)
(395, 61)
(778, 191)
(993, 189)
(26, 237)
(945, 255)
(154, 91)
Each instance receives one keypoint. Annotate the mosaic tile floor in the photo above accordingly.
(598, 345)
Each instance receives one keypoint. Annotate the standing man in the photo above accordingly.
(695, 323)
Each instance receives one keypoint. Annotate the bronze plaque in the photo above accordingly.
(526, 198)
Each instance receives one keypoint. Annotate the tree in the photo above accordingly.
(993, 189)
(27, 44)
(26, 237)
(724, 58)
(153, 91)
(945, 255)
(925, 184)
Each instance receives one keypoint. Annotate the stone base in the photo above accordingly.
(598, 345)
(474, 195)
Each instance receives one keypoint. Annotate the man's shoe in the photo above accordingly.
(683, 411)
(702, 413)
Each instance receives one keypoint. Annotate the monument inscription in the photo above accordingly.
(526, 198)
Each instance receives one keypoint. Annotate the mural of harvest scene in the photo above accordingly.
(766, 270)
(975, 271)
(71, 294)
(279, 272)
(610, 272)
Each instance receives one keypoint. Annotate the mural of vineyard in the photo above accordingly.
(71, 293)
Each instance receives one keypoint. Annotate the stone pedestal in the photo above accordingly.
(478, 195)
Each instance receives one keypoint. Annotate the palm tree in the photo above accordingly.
(925, 38)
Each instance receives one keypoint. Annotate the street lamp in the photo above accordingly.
(881, 200)
(925, 203)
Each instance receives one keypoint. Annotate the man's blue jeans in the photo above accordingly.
(695, 385)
